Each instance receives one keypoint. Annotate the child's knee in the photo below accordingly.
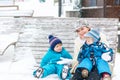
(84, 73)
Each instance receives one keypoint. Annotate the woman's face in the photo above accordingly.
(83, 30)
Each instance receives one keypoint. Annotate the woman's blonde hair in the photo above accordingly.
(80, 24)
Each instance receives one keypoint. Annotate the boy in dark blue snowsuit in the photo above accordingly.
(91, 55)
(49, 64)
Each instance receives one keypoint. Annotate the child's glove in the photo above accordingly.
(107, 57)
(65, 61)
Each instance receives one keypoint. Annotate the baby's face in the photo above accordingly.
(58, 48)
(89, 40)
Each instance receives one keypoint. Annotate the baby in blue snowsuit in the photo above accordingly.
(49, 64)
(91, 55)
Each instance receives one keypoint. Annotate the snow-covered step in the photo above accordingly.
(16, 13)
(8, 7)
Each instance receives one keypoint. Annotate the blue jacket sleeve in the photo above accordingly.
(83, 53)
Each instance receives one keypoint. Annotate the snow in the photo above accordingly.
(40, 9)
(47, 8)
(19, 70)
(6, 39)
(18, 65)
(23, 66)
(116, 71)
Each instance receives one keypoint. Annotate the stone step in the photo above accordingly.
(34, 32)
(42, 44)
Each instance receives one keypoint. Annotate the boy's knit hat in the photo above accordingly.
(53, 41)
(94, 34)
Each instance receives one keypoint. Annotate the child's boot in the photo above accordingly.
(106, 76)
(65, 71)
(39, 72)
(84, 73)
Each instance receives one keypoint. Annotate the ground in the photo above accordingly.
(22, 68)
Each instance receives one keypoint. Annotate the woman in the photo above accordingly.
(90, 57)
(79, 41)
